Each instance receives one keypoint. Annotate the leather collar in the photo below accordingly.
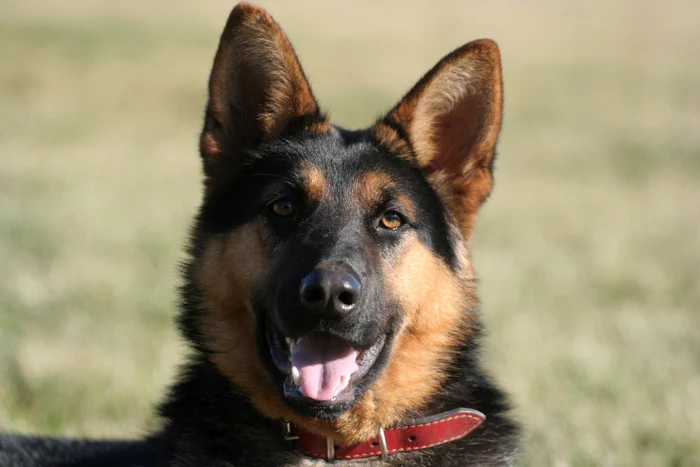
(420, 434)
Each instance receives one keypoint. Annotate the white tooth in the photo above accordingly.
(344, 380)
(295, 376)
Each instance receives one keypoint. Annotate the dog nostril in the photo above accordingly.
(347, 298)
(313, 295)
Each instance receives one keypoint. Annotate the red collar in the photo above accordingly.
(420, 434)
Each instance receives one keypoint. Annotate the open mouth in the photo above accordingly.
(321, 369)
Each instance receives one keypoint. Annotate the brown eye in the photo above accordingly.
(391, 220)
(284, 207)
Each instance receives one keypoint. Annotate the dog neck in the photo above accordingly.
(207, 415)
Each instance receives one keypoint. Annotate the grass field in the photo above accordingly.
(588, 251)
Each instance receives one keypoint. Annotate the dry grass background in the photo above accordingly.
(588, 251)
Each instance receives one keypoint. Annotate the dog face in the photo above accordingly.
(330, 268)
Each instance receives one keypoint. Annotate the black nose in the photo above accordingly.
(331, 291)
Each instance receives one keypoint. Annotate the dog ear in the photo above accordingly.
(257, 90)
(451, 120)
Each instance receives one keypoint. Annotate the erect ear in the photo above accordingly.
(451, 120)
(257, 90)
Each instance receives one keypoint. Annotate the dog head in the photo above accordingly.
(331, 268)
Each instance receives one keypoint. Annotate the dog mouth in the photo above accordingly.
(321, 369)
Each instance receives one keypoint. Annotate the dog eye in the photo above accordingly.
(283, 207)
(391, 220)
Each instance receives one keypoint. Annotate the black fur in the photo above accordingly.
(207, 419)
(213, 421)
(210, 422)
(34, 451)
(322, 231)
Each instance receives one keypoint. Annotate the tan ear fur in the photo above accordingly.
(257, 87)
(451, 120)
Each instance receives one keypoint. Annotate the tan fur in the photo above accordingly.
(407, 205)
(464, 195)
(227, 271)
(453, 118)
(210, 144)
(390, 139)
(436, 320)
(320, 128)
(255, 71)
(368, 189)
(431, 294)
(314, 181)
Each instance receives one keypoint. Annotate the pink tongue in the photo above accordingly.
(322, 362)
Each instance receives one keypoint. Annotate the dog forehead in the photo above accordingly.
(330, 158)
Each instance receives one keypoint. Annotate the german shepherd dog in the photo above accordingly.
(329, 297)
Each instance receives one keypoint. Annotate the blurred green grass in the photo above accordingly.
(588, 250)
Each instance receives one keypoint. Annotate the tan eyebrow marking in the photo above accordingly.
(370, 187)
(314, 181)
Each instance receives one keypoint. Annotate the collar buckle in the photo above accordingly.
(330, 446)
(382, 443)
(330, 450)
(287, 432)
